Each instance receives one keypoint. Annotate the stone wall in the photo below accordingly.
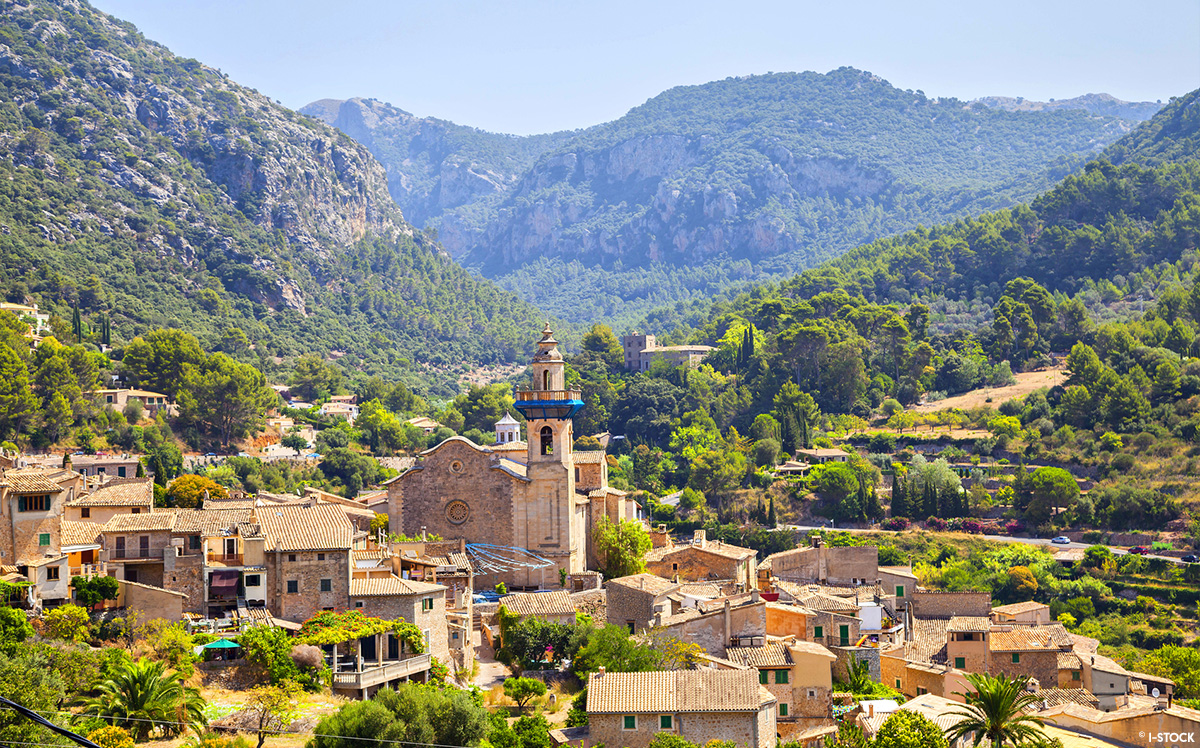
(151, 602)
(308, 569)
(845, 655)
(1040, 665)
(692, 564)
(737, 727)
(624, 604)
(408, 607)
(836, 566)
(455, 471)
(186, 574)
(930, 604)
(709, 630)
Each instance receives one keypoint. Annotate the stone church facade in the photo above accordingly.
(544, 501)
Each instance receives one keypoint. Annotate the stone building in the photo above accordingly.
(555, 606)
(460, 490)
(799, 675)
(118, 496)
(1026, 612)
(629, 709)
(307, 559)
(703, 560)
(634, 601)
(939, 604)
(420, 603)
(715, 625)
(849, 566)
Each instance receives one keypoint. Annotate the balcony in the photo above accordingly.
(225, 559)
(137, 554)
(374, 675)
(560, 404)
(87, 571)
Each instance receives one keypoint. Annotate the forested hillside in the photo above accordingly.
(148, 190)
(706, 187)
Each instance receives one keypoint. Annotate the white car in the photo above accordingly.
(1061, 540)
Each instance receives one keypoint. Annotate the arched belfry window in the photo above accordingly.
(545, 380)
(547, 440)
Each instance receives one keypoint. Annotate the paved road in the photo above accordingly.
(998, 538)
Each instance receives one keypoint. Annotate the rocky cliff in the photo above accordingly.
(707, 186)
(193, 200)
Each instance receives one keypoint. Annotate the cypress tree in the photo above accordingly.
(771, 520)
(750, 342)
(871, 505)
(899, 499)
(77, 325)
(929, 503)
(804, 432)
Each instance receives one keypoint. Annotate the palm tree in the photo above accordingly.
(144, 695)
(998, 710)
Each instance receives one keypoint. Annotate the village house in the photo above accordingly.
(703, 560)
(799, 675)
(336, 409)
(629, 709)
(555, 606)
(822, 455)
(641, 350)
(715, 625)
(117, 399)
(117, 496)
(1030, 613)
(420, 603)
(840, 566)
(634, 601)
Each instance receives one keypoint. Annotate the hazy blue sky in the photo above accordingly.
(536, 66)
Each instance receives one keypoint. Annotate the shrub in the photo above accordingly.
(66, 622)
(897, 523)
(936, 523)
(308, 658)
(972, 526)
(111, 736)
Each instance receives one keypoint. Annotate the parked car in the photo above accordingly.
(1061, 540)
(1139, 550)
(1191, 558)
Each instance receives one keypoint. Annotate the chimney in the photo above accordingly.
(700, 538)
(728, 620)
(754, 596)
(600, 673)
(870, 710)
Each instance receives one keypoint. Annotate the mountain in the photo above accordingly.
(439, 173)
(1102, 104)
(703, 188)
(1109, 231)
(155, 191)
(1172, 135)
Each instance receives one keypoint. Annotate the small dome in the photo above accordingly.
(508, 420)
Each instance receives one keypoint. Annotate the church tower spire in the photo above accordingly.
(548, 405)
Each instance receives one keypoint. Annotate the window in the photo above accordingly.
(121, 472)
(1074, 675)
(547, 440)
(293, 586)
(427, 603)
(52, 573)
(545, 380)
(781, 677)
(674, 567)
(358, 603)
(44, 539)
(253, 580)
(666, 722)
(960, 663)
(108, 399)
(899, 590)
(897, 684)
(193, 542)
(327, 585)
(783, 710)
(576, 475)
(630, 624)
(320, 556)
(1016, 658)
(292, 558)
(812, 693)
(131, 575)
(629, 722)
(922, 690)
(33, 503)
(135, 510)
(453, 634)
(762, 677)
(85, 512)
(818, 632)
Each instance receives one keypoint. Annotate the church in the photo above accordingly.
(537, 495)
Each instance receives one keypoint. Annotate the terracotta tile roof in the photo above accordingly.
(210, 521)
(1151, 678)
(1059, 696)
(900, 571)
(674, 691)
(137, 492)
(1029, 638)
(1106, 665)
(592, 457)
(556, 603)
(144, 522)
(968, 623)
(1084, 644)
(225, 504)
(323, 527)
(512, 467)
(828, 603)
(700, 589)
(715, 547)
(929, 640)
(29, 480)
(651, 583)
(79, 533)
(1018, 608)
(390, 587)
(1068, 661)
(773, 654)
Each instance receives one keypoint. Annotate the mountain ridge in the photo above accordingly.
(705, 187)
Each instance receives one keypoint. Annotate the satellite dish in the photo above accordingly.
(1154, 693)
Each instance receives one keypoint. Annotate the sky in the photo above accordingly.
(533, 66)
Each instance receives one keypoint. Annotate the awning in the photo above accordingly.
(222, 644)
(224, 582)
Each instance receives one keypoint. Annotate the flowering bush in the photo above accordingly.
(897, 523)
(1015, 527)
(936, 523)
(972, 526)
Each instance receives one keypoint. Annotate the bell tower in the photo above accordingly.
(547, 520)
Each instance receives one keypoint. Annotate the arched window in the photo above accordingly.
(547, 440)
(545, 380)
